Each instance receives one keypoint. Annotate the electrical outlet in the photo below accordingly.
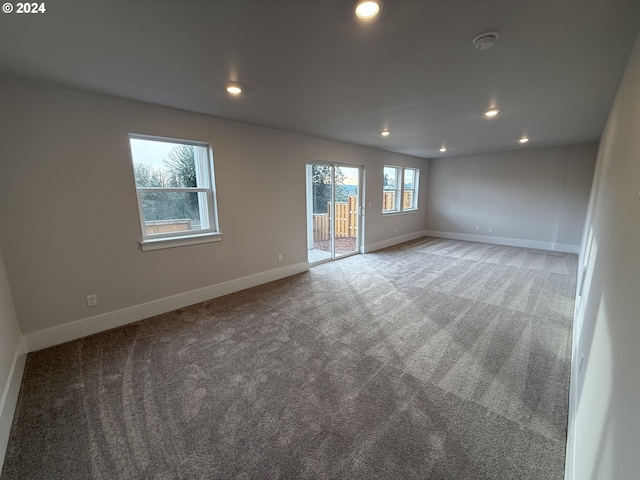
(581, 362)
(490, 229)
(92, 300)
(279, 257)
(477, 229)
(396, 230)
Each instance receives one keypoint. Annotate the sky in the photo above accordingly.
(150, 152)
(350, 175)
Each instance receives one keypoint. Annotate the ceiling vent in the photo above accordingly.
(485, 40)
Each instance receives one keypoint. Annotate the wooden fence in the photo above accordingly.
(388, 200)
(165, 226)
(346, 224)
(321, 227)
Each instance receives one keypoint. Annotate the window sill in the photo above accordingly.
(171, 242)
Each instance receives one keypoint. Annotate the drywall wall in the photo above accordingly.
(69, 211)
(605, 430)
(12, 356)
(533, 197)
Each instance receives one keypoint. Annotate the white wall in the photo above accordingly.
(12, 358)
(534, 197)
(68, 210)
(605, 444)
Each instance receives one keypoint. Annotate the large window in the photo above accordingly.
(176, 191)
(400, 189)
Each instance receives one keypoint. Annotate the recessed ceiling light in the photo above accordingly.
(385, 133)
(523, 140)
(443, 149)
(492, 112)
(367, 8)
(234, 89)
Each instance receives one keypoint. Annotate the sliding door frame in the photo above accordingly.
(332, 212)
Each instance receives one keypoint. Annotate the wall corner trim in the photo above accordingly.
(87, 326)
(9, 399)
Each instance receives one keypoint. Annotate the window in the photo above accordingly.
(410, 189)
(400, 189)
(176, 191)
(391, 190)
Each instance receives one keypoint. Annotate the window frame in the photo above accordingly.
(207, 202)
(399, 190)
(414, 196)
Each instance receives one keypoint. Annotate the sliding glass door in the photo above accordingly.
(333, 211)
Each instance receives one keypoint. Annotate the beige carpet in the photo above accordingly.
(435, 359)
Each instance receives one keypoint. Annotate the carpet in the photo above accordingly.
(434, 359)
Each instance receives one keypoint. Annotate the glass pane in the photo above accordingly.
(164, 164)
(321, 203)
(346, 221)
(167, 212)
(390, 180)
(389, 200)
(409, 179)
(407, 202)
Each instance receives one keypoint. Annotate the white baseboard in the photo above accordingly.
(567, 248)
(511, 242)
(9, 398)
(392, 241)
(88, 326)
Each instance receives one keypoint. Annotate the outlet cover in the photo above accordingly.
(92, 300)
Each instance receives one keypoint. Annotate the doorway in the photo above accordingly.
(333, 211)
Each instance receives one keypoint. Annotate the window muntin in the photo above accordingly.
(400, 189)
(175, 187)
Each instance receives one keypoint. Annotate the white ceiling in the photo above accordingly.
(310, 66)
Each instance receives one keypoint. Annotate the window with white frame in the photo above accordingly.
(391, 190)
(410, 189)
(176, 191)
(400, 189)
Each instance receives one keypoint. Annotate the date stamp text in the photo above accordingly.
(20, 8)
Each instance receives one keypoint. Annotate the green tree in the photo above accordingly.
(389, 182)
(178, 171)
(341, 190)
(181, 166)
(148, 176)
(321, 183)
